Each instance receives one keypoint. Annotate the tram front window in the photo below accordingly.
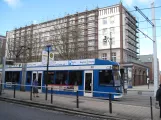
(105, 77)
(116, 78)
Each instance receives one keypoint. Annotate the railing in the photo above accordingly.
(124, 107)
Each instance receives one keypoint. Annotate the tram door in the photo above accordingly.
(88, 83)
(38, 75)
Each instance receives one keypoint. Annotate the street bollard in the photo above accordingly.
(110, 103)
(51, 95)
(151, 108)
(14, 93)
(46, 94)
(0, 89)
(148, 84)
(77, 99)
(31, 93)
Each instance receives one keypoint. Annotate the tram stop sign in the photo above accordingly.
(48, 47)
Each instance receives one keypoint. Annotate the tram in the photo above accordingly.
(91, 77)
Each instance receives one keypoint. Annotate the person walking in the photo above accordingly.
(158, 98)
(35, 88)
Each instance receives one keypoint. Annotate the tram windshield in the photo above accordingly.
(116, 77)
(105, 77)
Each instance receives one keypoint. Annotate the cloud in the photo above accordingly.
(13, 3)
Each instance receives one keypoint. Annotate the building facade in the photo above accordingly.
(80, 36)
(148, 60)
(2, 47)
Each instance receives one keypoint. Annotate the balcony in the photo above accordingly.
(135, 40)
(136, 46)
(132, 51)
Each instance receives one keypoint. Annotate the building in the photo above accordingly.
(82, 35)
(148, 60)
(2, 47)
(160, 77)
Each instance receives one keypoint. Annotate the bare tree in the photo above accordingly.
(20, 47)
(65, 41)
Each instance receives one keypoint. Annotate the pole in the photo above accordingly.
(155, 66)
(47, 73)
(77, 100)
(51, 95)
(14, 94)
(110, 103)
(110, 46)
(3, 72)
(151, 108)
(31, 93)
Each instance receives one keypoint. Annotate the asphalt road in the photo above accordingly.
(133, 98)
(9, 111)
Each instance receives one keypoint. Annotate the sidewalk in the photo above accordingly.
(90, 104)
(142, 88)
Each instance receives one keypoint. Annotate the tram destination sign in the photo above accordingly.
(115, 67)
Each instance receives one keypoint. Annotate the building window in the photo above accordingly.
(104, 56)
(104, 21)
(114, 56)
(104, 31)
(112, 19)
(149, 59)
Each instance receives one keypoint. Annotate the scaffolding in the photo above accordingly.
(72, 37)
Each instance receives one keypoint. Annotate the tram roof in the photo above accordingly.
(69, 63)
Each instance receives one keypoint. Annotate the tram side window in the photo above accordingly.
(75, 78)
(12, 77)
(29, 76)
(50, 77)
(61, 77)
(105, 77)
(8, 77)
(16, 76)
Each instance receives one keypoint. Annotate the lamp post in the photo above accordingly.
(48, 49)
(110, 43)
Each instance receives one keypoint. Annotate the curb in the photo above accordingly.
(75, 111)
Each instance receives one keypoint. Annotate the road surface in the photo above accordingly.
(9, 111)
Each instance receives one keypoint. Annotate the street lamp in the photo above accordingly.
(110, 43)
(48, 49)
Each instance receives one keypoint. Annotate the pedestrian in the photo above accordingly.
(158, 98)
(35, 88)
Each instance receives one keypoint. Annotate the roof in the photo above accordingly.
(3, 37)
(146, 58)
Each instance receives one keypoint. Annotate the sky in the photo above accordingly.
(19, 13)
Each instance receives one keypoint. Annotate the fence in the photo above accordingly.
(131, 106)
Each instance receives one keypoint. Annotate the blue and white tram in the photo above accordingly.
(91, 77)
